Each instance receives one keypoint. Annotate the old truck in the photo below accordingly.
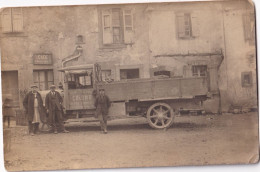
(158, 99)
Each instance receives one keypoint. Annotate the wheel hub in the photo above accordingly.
(160, 116)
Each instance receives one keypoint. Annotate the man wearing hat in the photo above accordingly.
(102, 104)
(34, 109)
(53, 104)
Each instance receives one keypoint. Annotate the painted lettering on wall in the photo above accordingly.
(42, 59)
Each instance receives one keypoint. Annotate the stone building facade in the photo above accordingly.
(215, 39)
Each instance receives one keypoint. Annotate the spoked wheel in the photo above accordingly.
(160, 115)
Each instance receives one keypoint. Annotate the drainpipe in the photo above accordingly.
(77, 53)
(79, 50)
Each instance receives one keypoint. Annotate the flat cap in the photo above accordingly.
(52, 86)
(34, 86)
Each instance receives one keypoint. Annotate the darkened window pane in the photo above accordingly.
(129, 73)
(116, 35)
(199, 70)
(246, 79)
(164, 72)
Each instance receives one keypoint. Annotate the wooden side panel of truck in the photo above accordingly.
(154, 89)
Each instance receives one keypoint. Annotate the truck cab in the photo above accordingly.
(79, 89)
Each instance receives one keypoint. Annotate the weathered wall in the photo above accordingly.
(162, 29)
(240, 56)
(54, 30)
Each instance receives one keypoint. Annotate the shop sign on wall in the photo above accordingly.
(42, 59)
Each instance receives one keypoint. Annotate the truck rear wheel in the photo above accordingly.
(160, 115)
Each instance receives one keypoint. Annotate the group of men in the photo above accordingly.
(37, 113)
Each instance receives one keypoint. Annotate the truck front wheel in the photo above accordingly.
(160, 115)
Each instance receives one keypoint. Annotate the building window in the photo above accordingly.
(117, 26)
(43, 78)
(106, 75)
(12, 20)
(79, 81)
(187, 25)
(199, 70)
(162, 73)
(249, 27)
(246, 79)
(129, 74)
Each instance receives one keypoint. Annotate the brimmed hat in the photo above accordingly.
(34, 86)
(52, 86)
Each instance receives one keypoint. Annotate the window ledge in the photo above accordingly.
(187, 38)
(113, 46)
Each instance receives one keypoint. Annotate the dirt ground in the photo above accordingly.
(192, 140)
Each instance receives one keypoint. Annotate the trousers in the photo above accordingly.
(57, 120)
(103, 120)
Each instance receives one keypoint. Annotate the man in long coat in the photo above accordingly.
(102, 104)
(53, 104)
(34, 109)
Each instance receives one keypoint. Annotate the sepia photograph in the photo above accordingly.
(126, 85)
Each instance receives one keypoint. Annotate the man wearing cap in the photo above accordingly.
(53, 104)
(34, 109)
(102, 104)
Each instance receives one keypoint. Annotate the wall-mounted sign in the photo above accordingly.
(42, 59)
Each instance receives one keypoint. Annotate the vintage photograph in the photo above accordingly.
(129, 85)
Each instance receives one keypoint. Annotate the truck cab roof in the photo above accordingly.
(77, 67)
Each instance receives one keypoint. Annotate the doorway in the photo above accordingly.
(10, 86)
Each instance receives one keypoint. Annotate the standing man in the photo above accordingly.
(102, 104)
(34, 109)
(53, 104)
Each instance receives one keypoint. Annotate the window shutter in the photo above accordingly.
(17, 15)
(246, 27)
(7, 20)
(249, 26)
(107, 27)
(128, 26)
(180, 25)
(195, 25)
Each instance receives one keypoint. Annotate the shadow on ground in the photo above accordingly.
(120, 127)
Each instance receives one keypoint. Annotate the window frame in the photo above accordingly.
(249, 74)
(249, 33)
(15, 18)
(126, 30)
(199, 71)
(74, 82)
(46, 81)
(181, 27)
(128, 70)
(105, 73)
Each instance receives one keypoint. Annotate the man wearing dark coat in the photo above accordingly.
(102, 104)
(34, 109)
(53, 104)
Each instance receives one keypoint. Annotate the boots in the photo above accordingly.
(36, 128)
(105, 128)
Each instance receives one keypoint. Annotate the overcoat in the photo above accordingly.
(102, 104)
(28, 104)
(53, 103)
